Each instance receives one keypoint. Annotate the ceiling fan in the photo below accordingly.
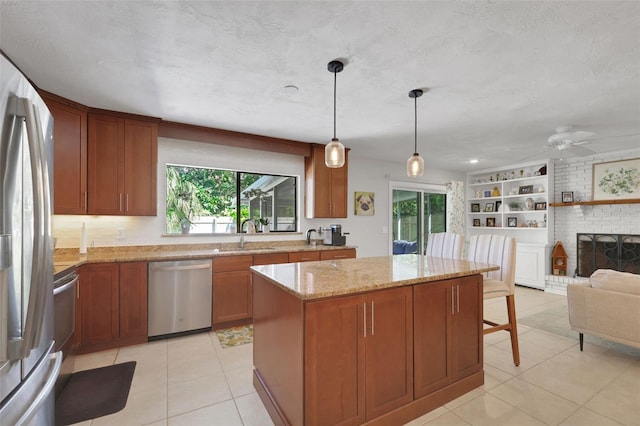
(566, 140)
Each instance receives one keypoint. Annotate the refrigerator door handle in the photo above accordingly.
(5, 263)
(37, 292)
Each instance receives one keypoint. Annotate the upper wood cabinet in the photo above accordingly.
(326, 189)
(122, 162)
(69, 157)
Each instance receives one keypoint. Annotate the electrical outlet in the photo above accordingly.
(121, 235)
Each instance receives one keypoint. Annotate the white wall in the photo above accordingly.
(366, 232)
(576, 175)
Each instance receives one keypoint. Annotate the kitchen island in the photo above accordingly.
(379, 340)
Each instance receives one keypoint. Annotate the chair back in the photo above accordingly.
(445, 244)
(496, 250)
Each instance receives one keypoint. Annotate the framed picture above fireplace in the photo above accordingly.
(616, 180)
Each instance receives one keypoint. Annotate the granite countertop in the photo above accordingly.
(68, 259)
(316, 280)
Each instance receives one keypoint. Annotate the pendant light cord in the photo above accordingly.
(415, 121)
(335, 82)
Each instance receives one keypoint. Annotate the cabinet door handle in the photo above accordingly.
(85, 200)
(120, 201)
(364, 305)
(458, 298)
(126, 202)
(452, 302)
(340, 257)
(373, 318)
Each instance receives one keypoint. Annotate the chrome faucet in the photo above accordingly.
(251, 229)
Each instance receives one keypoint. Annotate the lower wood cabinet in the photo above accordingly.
(111, 305)
(368, 369)
(448, 332)
(232, 292)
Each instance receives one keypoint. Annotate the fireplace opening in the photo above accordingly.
(620, 252)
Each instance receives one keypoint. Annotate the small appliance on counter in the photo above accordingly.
(333, 236)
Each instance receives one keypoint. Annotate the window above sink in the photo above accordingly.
(216, 201)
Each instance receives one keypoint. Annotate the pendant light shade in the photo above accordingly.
(334, 150)
(415, 163)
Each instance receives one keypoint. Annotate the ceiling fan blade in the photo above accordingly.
(580, 151)
(576, 136)
(547, 153)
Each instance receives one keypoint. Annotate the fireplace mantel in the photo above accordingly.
(595, 203)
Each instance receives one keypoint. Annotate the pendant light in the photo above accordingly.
(415, 163)
(334, 150)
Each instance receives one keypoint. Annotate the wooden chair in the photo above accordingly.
(445, 244)
(499, 250)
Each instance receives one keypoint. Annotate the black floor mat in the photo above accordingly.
(94, 393)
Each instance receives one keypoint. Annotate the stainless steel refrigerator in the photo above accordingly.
(28, 365)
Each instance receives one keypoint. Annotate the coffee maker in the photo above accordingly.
(333, 236)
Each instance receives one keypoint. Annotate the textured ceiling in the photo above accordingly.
(501, 75)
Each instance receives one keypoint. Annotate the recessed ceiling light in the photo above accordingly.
(473, 161)
(290, 89)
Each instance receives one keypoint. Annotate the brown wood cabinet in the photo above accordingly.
(69, 156)
(270, 259)
(338, 254)
(112, 301)
(448, 332)
(359, 356)
(122, 162)
(304, 256)
(232, 291)
(326, 189)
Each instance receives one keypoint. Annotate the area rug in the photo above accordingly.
(556, 320)
(235, 336)
(94, 393)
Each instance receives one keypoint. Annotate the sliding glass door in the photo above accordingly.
(415, 214)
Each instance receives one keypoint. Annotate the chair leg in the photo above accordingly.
(581, 341)
(513, 329)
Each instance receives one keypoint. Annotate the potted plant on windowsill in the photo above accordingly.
(265, 224)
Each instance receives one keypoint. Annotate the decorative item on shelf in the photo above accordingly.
(488, 207)
(495, 192)
(541, 189)
(497, 177)
(498, 205)
(491, 222)
(542, 171)
(479, 193)
(559, 259)
(514, 207)
(475, 207)
(513, 174)
(532, 223)
(476, 222)
(504, 176)
(487, 194)
(415, 163)
(527, 189)
(334, 150)
(512, 222)
(567, 196)
(490, 178)
(521, 173)
(540, 206)
(529, 203)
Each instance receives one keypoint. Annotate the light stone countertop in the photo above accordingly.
(316, 280)
(68, 259)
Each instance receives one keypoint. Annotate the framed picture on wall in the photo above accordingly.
(541, 206)
(512, 222)
(616, 180)
(364, 203)
(527, 189)
(476, 222)
(488, 207)
(567, 196)
(475, 208)
(491, 222)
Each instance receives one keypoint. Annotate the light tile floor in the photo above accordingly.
(193, 381)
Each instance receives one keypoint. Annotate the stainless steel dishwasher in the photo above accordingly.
(179, 297)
